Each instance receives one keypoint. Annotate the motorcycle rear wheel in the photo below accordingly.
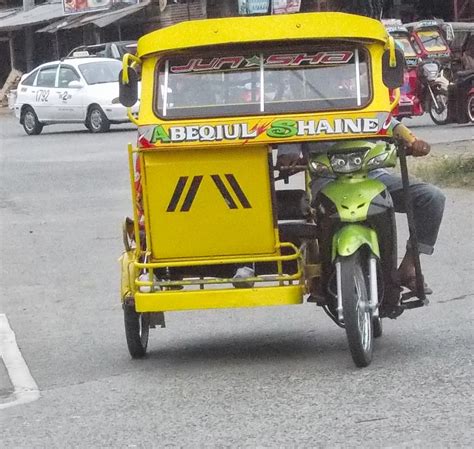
(440, 115)
(358, 320)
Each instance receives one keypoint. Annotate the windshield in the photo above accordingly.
(432, 40)
(263, 83)
(405, 43)
(101, 71)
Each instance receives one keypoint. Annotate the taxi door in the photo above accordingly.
(42, 93)
(69, 98)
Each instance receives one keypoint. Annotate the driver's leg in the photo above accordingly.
(428, 207)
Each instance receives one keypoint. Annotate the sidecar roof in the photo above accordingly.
(262, 29)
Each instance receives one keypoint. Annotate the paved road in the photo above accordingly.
(273, 377)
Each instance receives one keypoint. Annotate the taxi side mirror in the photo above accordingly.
(75, 84)
(393, 74)
(128, 91)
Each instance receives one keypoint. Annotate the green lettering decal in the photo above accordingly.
(282, 128)
(159, 133)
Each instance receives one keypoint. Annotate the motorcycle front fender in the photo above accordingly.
(351, 237)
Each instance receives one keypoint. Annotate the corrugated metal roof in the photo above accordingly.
(100, 19)
(38, 14)
(106, 18)
(8, 12)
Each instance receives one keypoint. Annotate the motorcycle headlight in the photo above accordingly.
(377, 161)
(347, 162)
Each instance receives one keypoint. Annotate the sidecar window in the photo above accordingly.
(432, 40)
(272, 82)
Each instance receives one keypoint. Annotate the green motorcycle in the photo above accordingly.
(355, 241)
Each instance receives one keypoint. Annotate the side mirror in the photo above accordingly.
(75, 84)
(128, 92)
(393, 77)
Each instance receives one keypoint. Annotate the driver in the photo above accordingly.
(428, 200)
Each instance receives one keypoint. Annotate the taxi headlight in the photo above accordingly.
(347, 162)
(116, 100)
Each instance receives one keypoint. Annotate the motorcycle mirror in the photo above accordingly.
(393, 77)
(128, 92)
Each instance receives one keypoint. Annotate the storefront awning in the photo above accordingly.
(35, 16)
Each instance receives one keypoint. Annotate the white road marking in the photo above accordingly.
(25, 388)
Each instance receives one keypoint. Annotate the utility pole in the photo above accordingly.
(29, 38)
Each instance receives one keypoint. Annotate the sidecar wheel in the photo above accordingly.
(355, 303)
(137, 329)
(377, 326)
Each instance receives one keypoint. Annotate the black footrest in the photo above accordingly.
(407, 301)
(291, 231)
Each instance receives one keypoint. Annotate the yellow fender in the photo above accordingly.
(127, 278)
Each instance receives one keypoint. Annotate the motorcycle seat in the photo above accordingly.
(464, 75)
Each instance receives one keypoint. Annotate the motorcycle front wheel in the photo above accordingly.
(358, 320)
(439, 114)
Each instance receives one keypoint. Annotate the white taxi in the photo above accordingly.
(75, 90)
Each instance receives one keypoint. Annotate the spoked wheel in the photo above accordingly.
(439, 114)
(358, 318)
(137, 329)
(470, 107)
(31, 124)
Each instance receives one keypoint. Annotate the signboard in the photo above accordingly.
(285, 6)
(253, 7)
(82, 6)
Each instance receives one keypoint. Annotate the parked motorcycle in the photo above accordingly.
(433, 91)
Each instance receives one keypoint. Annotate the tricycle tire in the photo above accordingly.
(137, 329)
(358, 319)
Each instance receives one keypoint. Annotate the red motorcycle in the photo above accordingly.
(409, 104)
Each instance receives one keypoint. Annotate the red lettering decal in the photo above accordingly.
(200, 66)
(233, 62)
(183, 68)
(340, 57)
(279, 60)
(312, 59)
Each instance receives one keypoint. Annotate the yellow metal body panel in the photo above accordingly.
(208, 202)
(217, 299)
(241, 30)
(127, 278)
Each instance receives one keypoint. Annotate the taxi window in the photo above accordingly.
(66, 75)
(30, 79)
(432, 40)
(47, 76)
(405, 43)
(263, 83)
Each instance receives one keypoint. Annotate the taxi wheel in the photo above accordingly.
(31, 124)
(97, 121)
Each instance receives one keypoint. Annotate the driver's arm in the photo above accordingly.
(415, 147)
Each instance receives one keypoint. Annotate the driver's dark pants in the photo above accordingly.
(428, 205)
